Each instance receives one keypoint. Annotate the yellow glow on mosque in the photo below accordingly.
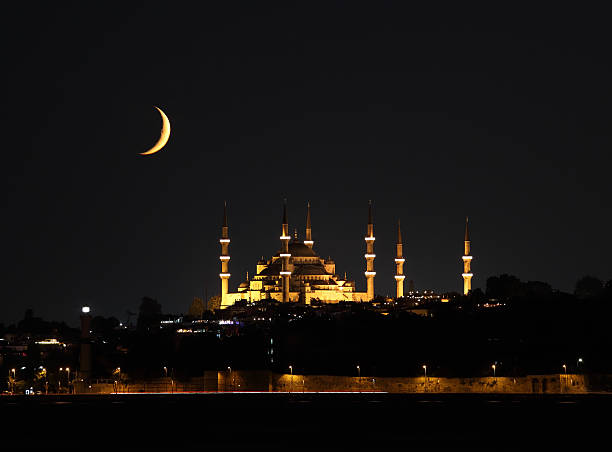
(296, 273)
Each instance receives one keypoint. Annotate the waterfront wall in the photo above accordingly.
(272, 382)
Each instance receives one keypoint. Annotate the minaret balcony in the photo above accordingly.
(224, 275)
(467, 258)
(399, 277)
(400, 260)
(224, 240)
(370, 273)
(224, 258)
(285, 255)
(308, 242)
(370, 256)
(285, 237)
(370, 239)
(283, 273)
(467, 275)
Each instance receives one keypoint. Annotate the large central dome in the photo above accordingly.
(298, 249)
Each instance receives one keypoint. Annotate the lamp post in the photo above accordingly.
(359, 377)
(578, 362)
(564, 369)
(13, 380)
(291, 370)
(493, 367)
(229, 375)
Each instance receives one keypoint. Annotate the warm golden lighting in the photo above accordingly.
(224, 258)
(308, 242)
(467, 258)
(400, 260)
(368, 256)
(370, 239)
(163, 138)
(224, 275)
(285, 273)
(399, 277)
(368, 273)
(224, 240)
(285, 237)
(285, 254)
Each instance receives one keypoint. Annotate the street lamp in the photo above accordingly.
(493, 367)
(166, 371)
(359, 372)
(578, 362)
(291, 370)
(564, 369)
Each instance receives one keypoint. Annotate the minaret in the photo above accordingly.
(308, 242)
(399, 264)
(369, 256)
(224, 258)
(467, 261)
(284, 255)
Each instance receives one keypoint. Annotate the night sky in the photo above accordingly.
(433, 114)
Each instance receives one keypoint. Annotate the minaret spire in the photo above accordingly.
(369, 256)
(224, 258)
(284, 254)
(308, 242)
(467, 261)
(399, 264)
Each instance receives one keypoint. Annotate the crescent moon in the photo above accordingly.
(163, 138)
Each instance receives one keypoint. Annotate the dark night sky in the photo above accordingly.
(434, 114)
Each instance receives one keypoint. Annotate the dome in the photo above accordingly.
(307, 269)
(298, 249)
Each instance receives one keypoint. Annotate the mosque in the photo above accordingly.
(296, 273)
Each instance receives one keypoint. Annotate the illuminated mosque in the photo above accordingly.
(296, 273)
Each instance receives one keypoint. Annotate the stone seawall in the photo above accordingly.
(266, 381)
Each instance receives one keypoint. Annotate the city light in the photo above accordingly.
(85, 309)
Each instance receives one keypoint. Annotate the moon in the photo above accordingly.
(163, 138)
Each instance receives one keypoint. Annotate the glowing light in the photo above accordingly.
(285, 273)
(308, 242)
(224, 275)
(399, 277)
(368, 273)
(224, 258)
(444, 300)
(163, 138)
(399, 259)
(370, 239)
(85, 309)
(467, 258)
(224, 240)
(467, 275)
(285, 254)
(368, 256)
(285, 237)
(49, 342)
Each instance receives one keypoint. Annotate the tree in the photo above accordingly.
(588, 287)
(196, 309)
(504, 286)
(149, 314)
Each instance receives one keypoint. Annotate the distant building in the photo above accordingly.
(296, 273)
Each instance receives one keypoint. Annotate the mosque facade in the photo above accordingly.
(296, 273)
